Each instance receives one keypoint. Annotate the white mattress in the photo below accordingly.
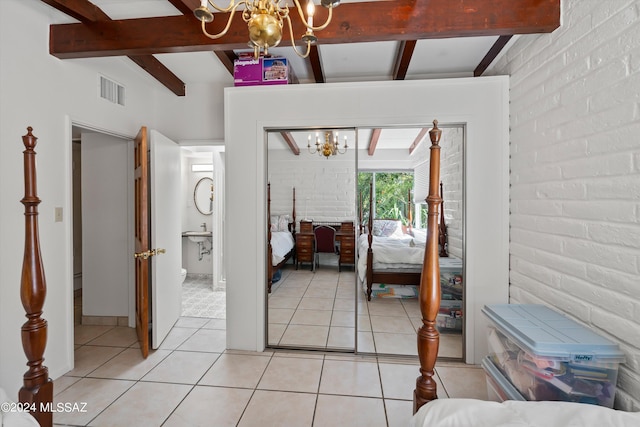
(479, 413)
(281, 243)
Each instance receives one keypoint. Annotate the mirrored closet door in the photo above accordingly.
(311, 242)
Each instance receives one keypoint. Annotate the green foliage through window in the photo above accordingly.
(391, 194)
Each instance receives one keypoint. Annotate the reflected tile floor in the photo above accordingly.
(183, 384)
(317, 310)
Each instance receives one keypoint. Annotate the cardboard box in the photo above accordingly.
(262, 71)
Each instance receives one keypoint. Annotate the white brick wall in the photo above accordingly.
(451, 167)
(575, 173)
(325, 188)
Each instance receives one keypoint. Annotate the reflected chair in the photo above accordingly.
(325, 241)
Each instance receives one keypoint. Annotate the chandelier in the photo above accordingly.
(329, 147)
(265, 19)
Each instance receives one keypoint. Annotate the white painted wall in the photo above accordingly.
(575, 174)
(49, 94)
(107, 201)
(481, 103)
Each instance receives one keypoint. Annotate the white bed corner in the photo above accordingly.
(479, 413)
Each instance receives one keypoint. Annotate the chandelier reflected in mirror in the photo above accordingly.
(330, 146)
(265, 20)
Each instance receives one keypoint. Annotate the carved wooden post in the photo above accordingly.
(370, 242)
(442, 230)
(429, 296)
(37, 390)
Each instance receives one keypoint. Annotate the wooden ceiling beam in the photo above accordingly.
(288, 138)
(403, 58)
(373, 142)
(88, 13)
(491, 55)
(315, 61)
(418, 139)
(227, 57)
(384, 21)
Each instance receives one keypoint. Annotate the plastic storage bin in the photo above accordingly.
(547, 356)
(499, 388)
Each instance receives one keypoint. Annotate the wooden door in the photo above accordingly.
(141, 231)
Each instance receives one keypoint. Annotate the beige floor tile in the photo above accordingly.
(289, 292)
(305, 336)
(129, 365)
(292, 374)
(208, 340)
(366, 344)
(275, 332)
(320, 292)
(332, 411)
(62, 383)
(280, 315)
(182, 367)
(399, 412)
(469, 382)
(343, 318)
(82, 334)
(311, 317)
(278, 409)
(400, 325)
(386, 309)
(398, 380)
(216, 324)
(144, 404)
(364, 323)
(344, 305)
(390, 343)
(90, 357)
(96, 393)
(210, 406)
(120, 336)
(316, 304)
(283, 302)
(341, 337)
(303, 354)
(234, 370)
(176, 337)
(412, 307)
(191, 322)
(346, 293)
(350, 378)
(450, 346)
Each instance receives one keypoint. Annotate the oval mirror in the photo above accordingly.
(203, 196)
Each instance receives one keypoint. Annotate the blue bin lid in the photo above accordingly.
(544, 332)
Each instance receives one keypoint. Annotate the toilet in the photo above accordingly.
(183, 275)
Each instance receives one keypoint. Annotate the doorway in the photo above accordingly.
(204, 285)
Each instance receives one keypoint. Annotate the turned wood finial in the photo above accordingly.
(37, 389)
(429, 293)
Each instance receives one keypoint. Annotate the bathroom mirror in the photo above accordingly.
(203, 196)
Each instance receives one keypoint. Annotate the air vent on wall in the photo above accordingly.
(111, 91)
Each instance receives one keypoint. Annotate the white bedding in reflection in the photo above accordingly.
(281, 243)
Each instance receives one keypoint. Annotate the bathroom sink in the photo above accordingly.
(197, 236)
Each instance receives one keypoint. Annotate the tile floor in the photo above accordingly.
(191, 380)
(317, 310)
(201, 299)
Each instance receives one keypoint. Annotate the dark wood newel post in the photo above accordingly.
(429, 296)
(37, 390)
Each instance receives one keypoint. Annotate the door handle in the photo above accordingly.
(150, 253)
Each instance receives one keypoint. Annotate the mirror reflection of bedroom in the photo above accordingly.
(313, 203)
(311, 209)
(393, 176)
